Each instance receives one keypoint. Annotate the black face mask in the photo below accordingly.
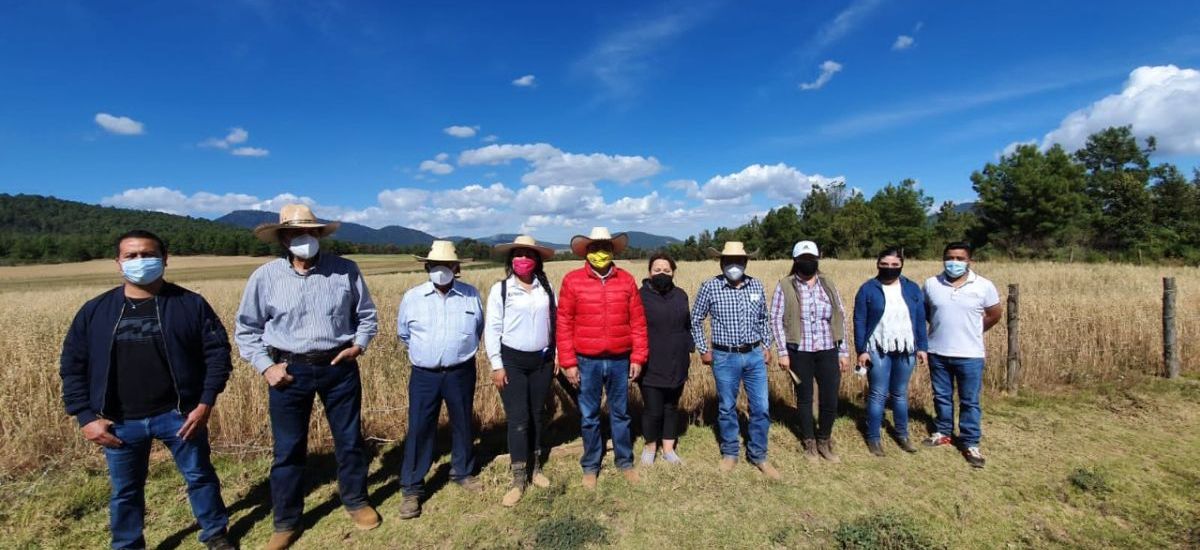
(806, 267)
(661, 283)
(889, 273)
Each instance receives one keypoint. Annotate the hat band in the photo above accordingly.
(293, 222)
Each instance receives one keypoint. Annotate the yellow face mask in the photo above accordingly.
(600, 259)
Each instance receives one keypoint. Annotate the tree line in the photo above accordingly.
(1106, 201)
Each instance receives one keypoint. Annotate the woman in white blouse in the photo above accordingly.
(519, 337)
(890, 336)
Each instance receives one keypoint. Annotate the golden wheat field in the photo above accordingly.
(1080, 325)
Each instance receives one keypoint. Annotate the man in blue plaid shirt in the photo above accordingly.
(741, 349)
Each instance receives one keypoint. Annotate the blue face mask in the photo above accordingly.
(142, 271)
(955, 268)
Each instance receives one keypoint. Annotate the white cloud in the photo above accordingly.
(1012, 147)
(622, 59)
(120, 125)
(490, 138)
(495, 194)
(461, 131)
(556, 199)
(778, 181)
(828, 69)
(527, 81)
(249, 152)
(551, 166)
(203, 203)
(841, 25)
(403, 198)
(1160, 101)
(689, 187)
(437, 166)
(236, 136)
(903, 42)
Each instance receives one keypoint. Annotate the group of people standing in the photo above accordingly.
(147, 360)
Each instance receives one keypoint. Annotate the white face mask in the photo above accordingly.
(734, 272)
(441, 275)
(304, 246)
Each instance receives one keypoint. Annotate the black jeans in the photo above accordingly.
(529, 375)
(823, 367)
(660, 413)
(340, 390)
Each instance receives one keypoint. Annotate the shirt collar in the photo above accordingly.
(287, 264)
(430, 289)
(725, 281)
(516, 283)
(971, 277)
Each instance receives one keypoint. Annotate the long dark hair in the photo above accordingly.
(539, 271)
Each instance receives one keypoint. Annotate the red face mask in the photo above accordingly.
(523, 266)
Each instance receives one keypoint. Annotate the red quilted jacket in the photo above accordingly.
(600, 317)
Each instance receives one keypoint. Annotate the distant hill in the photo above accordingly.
(637, 239)
(508, 238)
(35, 228)
(348, 232)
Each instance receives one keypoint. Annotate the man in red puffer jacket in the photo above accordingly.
(601, 339)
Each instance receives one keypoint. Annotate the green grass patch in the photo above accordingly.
(885, 531)
(1090, 480)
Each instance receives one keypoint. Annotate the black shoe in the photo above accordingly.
(220, 542)
(876, 448)
(974, 458)
(906, 445)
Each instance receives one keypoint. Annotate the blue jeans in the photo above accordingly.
(596, 376)
(888, 378)
(340, 390)
(732, 370)
(427, 389)
(967, 374)
(129, 463)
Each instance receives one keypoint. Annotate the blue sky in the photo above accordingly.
(473, 118)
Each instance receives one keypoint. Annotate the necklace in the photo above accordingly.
(134, 305)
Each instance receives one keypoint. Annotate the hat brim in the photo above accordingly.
(269, 232)
(714, 253)
(454, 260)
(579, 243)
(503, 249)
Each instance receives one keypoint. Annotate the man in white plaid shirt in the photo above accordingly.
(741, 349)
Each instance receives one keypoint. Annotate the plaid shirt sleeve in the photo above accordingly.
(764, 322)
(777, 312)
(699, 311)
(843, 348)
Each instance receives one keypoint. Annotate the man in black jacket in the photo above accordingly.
(146, 361)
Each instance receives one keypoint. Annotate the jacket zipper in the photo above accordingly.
(162, 329)
(107, 374)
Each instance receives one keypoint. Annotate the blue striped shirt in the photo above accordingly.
(319, 311)
(440, 330)
(739, 314)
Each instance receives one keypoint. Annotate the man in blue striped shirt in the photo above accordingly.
(303, 321)
(741, 349)
(440, 322)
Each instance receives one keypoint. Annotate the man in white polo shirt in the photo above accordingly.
(961, 306)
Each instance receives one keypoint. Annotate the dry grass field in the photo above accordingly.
(1081, 325)
(1094, 454)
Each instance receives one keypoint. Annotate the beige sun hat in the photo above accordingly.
(441, 251)
(579, 243)
(295, 216)
(524, 241)
(732, 248)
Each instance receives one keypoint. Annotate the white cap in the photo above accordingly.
(805, 247)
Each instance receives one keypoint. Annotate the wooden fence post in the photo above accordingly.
(1170, 341)
(1013, 376)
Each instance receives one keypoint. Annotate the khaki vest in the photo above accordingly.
(792, 308)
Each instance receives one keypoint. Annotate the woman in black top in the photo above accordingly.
(669, 328)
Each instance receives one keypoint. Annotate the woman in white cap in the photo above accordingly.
(810, 327)
(519, 337)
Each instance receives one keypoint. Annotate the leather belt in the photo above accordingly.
(744, 348)
(308, 358)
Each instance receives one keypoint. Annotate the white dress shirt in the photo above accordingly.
(440, 330)
(522, 322)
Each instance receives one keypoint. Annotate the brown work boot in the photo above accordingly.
(727, 463)
(631, 476)
(470, 484)
(810, 450)
(365, 518)
(906, 445)
(282, 540)
(410, 507)
(768, 470)
(540, 479)
(589, 481)
(825, 449)
(512, 497)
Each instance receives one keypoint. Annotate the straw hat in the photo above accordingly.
(295, 216)
(441, 251)
(579, 243)
(732, 248)
(524, 241)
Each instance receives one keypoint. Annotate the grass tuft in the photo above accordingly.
(1090, 480)
(569, 533)
(886, 531)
